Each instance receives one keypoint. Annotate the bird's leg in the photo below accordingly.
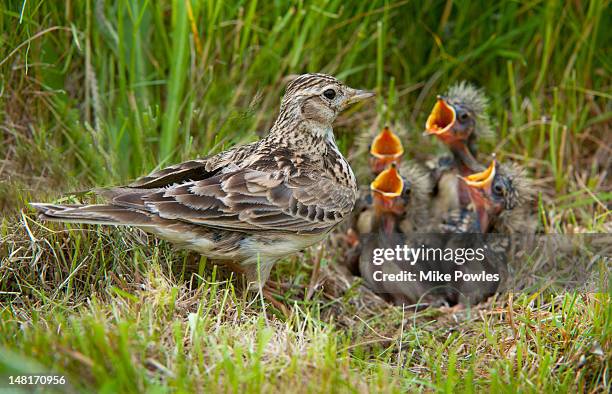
(257, 275)
(315, 274)
(269, 294)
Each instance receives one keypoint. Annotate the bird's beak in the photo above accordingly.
(386, 148)
(482, 180)
(441, 119)
(386, 143)
(479, 187)
(355, 96)
(387, 187)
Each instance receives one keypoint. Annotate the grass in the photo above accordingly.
(94, 93)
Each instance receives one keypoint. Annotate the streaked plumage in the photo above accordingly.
(252, 204)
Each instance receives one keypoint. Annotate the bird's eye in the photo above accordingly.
(407, 189)
(330, 94)
(498, 189)
(463, 116)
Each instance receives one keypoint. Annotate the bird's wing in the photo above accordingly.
(194, 170)
(189, 170)
(247, 200)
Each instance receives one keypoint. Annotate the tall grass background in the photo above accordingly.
(97, 93)
(112, 90)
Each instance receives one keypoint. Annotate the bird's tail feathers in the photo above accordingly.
(104, 214)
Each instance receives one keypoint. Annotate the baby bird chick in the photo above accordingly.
(374, 149)
(380, 225)
(501, 197)
(399, 206)
(501, 201)
(386, 148)
(458, 120)
(411, 208)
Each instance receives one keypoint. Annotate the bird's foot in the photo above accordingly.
(270, 295)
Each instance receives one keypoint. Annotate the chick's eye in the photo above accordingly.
(406, 190)
(463, 116)
(498, 189)
(330, 94)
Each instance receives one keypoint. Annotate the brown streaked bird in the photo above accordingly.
(458, 119)
(386, 148)
(250, 205)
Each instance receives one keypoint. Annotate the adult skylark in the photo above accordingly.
(250, 205)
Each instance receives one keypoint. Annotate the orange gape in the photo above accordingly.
(441, 119)
(386, 148)
(479, 189)
(387, 189)
(482, 180)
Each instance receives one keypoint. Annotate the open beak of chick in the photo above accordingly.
(479, 187)
(387, 190)
(442, 123)
(441, 119)
(386, 148)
